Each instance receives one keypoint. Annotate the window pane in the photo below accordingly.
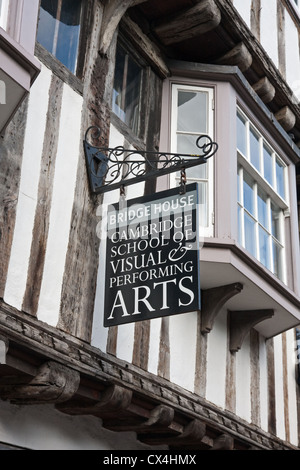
(276, 252)
(264, 250)
(126, 92)
(268, 174)
(240, 237)
(248, 193)
(250, 244)
(280, 178)
(262, 208)
(59, 28)
(192, 111)
(275, 214)
(203, 215)
(241, 135)
(254, 149)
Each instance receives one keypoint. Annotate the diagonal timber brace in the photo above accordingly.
(241, 323)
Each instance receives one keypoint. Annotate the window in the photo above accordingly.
(262, 194)
(59, 29)
(3, 13)
(126, 100)
(192, 116)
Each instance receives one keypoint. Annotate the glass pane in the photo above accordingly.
(275, 214)
(264, 250)
(276, 253)
(186, 144)
(250, 243)
(268, 174)
(192, 111)
(248, 193)
(203, 203)
(254, 149)
(240, 237)
(262, 208)
(280, 178)
(241, 135)
(239, 189)
(59, 28)
(126, 92)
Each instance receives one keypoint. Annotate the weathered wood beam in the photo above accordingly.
(264, 89)
(203, 17)
(238, 56)
(192, 434)
(54, 383)
(223, 442)
(241, 322)
(286, 118)
(145, 46)
(212, 300)
(112, 14)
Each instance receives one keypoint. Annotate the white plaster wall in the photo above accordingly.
(44, 428)
(292, 385)
(217, 350)
(268, 23)
(243, 381)
(27, 198)
(244, 8)
(154, 342)
(61, 207)
(183, 343)
(292, 55)
(279, 401)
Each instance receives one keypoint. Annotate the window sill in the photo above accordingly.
(223, 262)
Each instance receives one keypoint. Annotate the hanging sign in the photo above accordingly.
(152, 265)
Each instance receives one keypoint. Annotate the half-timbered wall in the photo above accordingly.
(52, 258)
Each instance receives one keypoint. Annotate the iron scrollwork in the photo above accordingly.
(111, 168)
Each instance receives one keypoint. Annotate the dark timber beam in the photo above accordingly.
(223, 442)
(238, 56)
(53, 383)
(286, 118)
(212, 300)
(203, 17)
(241, 322)
(264, 89)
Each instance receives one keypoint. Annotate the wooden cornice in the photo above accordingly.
(122, 395)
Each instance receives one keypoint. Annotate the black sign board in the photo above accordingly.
(152, 265)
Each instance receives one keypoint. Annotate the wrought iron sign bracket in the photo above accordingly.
(113, 168)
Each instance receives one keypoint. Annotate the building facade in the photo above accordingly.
(149, 77)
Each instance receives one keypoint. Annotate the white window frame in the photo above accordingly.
(205, 231)
(244, 164)
(4, 4)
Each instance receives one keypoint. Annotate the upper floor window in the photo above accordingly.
(3, 13)
(191, 117)
(126, 101)
(262, 197)
(59, 29)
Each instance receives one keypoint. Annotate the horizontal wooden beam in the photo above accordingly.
(238, 56)
(286, 118)
(264, 89)
(203, 17)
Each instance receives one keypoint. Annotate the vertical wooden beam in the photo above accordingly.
(201, 360)
(281, 37)
(255, 18)
(42, 215)
(285, 387)
(230, 389)
(163, 369)
(271, 386)
(255, 376)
